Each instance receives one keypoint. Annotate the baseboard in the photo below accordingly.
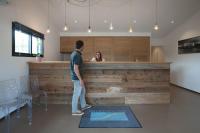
(185, 88)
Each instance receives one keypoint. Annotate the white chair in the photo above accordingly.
(9, 97)
(25, 96)
(36, 92)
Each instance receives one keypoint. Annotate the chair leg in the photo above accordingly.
(46, 102)
(30, 112)
(18, 110)
(7, 120)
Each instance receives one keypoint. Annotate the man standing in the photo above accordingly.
(76, 64)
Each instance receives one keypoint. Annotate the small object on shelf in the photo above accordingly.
(136, 60)
(38, 58)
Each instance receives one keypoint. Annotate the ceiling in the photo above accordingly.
(121, 12)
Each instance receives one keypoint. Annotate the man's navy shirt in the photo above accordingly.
(75, 58)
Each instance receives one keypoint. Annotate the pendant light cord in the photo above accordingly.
(89, 14)
(48, 14)
(65, 11)
(130, 3)
(156, 11)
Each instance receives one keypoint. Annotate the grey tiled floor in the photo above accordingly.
(181, 116)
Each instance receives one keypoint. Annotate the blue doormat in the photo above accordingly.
(109, 117)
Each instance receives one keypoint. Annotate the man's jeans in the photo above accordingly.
(79, 93)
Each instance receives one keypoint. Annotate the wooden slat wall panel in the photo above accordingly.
(112, 48)
(104, 44)
(121, 49)
(157, 54)
(67, 44)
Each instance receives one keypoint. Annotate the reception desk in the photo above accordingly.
(106, 83)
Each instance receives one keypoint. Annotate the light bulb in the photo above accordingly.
(48, 31)
(89, 30)
(130, 29)
(172, 22)
(111, 26)
(65, 28)
(156, 27)
(76, 21)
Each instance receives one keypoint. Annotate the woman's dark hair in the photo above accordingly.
(100, 58)
(79, 44)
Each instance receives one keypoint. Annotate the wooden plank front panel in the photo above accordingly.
(105, 86)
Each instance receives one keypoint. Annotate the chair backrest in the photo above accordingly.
(24, 85)
(8, 91)
(34, 83)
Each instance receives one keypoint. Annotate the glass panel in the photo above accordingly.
(22, 42)
(37, 47)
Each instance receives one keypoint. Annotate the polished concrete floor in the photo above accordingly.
(181, 116)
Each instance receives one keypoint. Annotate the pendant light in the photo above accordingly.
(156, 27)
(48, 28)
(130, 29)
(111, 26)
(89, 26)
(65, 27)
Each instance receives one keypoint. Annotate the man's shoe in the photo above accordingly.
(78, 113)
(86, 107)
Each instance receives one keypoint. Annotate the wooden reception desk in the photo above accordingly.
(107, 83)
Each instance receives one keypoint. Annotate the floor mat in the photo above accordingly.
(109, 117)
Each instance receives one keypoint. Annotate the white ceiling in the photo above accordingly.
(120, 12)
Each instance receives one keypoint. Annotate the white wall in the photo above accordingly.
(31, 14)
(185, 68)
(157, 42)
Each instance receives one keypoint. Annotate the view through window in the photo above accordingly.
(27, 42)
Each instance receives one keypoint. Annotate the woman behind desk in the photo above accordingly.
(98, 57)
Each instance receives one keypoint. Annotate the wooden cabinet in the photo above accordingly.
(140, 49)
(121, 48)
(112, 48)
(67, 44)
(88, 51)
(157, 54)
(104, 44)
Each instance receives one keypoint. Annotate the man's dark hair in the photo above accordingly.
(79, 44)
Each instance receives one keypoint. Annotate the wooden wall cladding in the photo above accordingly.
(157, 54)
(104, 44)
(112, 48)
(105, 86)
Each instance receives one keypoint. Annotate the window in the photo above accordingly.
(26, 42)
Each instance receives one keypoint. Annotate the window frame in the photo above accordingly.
(29, 31)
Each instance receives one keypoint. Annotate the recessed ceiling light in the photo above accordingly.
(105, 21)
(76, 21)
(172, 22)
